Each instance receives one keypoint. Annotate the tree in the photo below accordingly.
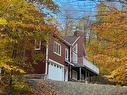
(109, 46)
(20, 23)
(69, 19)
(83, 25)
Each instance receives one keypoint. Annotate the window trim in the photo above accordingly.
(66, 52)
(75, 53)
(54, 47)
(75, 58)
(76, 47)
(39, 45)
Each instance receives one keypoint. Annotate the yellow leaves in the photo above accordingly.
(119, 75)
(3, 21)
(116, 67)
(21, 85)
(7, 63)
(20, 19)
(9, 67)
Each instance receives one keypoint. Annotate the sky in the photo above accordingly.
(78, 8)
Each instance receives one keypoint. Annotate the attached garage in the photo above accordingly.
(55, 71)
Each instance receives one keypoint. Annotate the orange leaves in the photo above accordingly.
(50, 4)
(109, 49)
(119, 75)
(21, 20)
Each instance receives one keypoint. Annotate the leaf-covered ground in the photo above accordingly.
(41, 87)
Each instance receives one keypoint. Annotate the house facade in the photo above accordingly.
(65, 59)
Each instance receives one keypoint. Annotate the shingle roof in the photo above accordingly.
(70, 39)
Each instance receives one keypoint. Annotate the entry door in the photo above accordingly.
(55, 71)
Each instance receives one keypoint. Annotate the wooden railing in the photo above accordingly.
(86, 63)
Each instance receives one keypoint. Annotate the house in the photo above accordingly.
(65, 59)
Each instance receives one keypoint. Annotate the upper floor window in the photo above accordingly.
(75, 54)
(37, 45)
(66, 54)
(57, 48)
(75, 49)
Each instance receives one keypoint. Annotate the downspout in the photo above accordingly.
(46, 67)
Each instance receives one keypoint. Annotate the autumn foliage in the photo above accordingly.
(109, 44)
(21, 22)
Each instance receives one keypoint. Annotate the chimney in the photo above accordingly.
(78, 33)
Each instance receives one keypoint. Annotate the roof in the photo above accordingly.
(70, 39)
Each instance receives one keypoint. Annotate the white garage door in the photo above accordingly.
(55, 71)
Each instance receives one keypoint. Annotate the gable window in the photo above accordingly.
(57, 48)
(75, 54)
(75, 49)
(37, 45)
(66, 54)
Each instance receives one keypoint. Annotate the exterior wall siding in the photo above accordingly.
(80, 45)
(39, 67)
(80, 49)
(55, 57)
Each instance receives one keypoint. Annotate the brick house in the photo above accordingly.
(65, 59)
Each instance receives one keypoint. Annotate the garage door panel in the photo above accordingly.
(55, 71)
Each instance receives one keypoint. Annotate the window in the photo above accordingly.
(57, 48)
(66, 54)
(75, 54)
(75, 58)
(37, 45)
(75, 49)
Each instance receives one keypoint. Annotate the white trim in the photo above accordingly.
(66, 53)
(46, 70)
(70, 54)
(69, 63)
(56, 62)
(75, 48)
(75, 40)
(90, 66)
(75, 53)
(67, 42)
(57, 54)
(0, 70)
